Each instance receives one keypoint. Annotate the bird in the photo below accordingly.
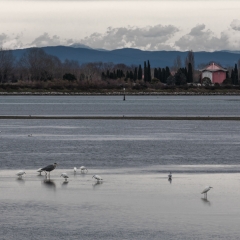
(64, 175)
(40, 171)
(83, 169)
(74, 169)
(49, 168)
(97, 177)
(205, 190)
(20, 173)
(170, 176)
(30, 135)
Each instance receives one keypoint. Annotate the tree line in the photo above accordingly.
(37, 66)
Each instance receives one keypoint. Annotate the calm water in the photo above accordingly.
(117, 143)
(115, 106)
(135, 200)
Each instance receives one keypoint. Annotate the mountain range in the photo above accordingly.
(129, 56)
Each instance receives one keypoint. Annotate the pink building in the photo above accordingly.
(215, 72)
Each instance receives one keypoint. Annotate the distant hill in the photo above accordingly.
(131, 56)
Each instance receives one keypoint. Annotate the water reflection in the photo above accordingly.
(170, 180)
(206, 202)
(50, 184)
(20, 180)
(97, 184)
(65, 183)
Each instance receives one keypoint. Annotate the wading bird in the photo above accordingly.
(49, 168)
(74, 169)
(20, 173)
(97, 177)
(65, 176)
(170, 176)
(205, 191)
(83, 169)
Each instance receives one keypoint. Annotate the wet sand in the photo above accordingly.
(128, 204)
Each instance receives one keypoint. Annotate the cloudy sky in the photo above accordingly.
(198, 25)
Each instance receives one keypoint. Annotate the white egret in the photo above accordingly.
(83, 169)
(74, 169)
(205, 190)
(49, 168)
(97, 177)
(20, 173)
(65, 176)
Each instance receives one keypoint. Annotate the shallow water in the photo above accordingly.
(125, 206)
(115, 106)
(117, 143)
(135, 200)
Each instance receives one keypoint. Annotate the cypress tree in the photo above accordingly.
(163, 75)
(145, 72)
(235, 75)
(185, 72)
(149, 72)
(160, 74)
(190, 73)
(139, 72)
(167, 73)
(135, 74)
(155, 73)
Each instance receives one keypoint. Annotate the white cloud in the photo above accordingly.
(3, 38)
(201, 39)
(152, 38)
(8, 42)
(235, 24)
(45, 40)
(146, 38)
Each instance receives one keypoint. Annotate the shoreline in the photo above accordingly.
(229, 93)
(161, 118)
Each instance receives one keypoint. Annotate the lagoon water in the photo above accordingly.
(135, 200)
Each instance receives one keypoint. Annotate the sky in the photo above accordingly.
(198, 25)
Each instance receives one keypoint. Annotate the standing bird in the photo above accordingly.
(205, 191)
(170, 176)
(74, 170)
(97, 177)
(83, 169)
(49, 168)
(64, 175)
(20, 173)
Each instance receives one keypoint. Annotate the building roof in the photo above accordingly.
(213, 67)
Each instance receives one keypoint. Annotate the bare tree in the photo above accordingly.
(177, 63)
(35, 64)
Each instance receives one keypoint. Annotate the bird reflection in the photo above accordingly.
(65, 183)
(170, 180)
(97, 184)
(50, 184)
(206, 202)
(20, 180)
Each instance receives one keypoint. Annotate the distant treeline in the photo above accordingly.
(38, 67)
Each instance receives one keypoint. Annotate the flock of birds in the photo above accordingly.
(83, 169)
(51, 167)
